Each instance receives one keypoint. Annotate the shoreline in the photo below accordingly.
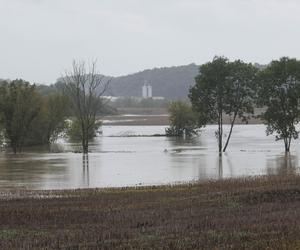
(155, 120)
(26, 193)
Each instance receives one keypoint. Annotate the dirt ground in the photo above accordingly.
(154, 120)
(256, 213)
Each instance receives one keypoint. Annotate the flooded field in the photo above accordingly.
(129, 156)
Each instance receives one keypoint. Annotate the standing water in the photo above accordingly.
(129, 156)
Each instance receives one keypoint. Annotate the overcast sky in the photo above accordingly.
(40, 38)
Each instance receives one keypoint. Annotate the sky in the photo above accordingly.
(39, 39)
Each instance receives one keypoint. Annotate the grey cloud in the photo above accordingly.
(39, 38)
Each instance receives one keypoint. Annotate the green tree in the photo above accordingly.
(279, 93)
(183, 119)
(20, 105)
(57, 106)
(223, 88)
(240, 93)
(74, 130)
(51, 121)
(208, 94)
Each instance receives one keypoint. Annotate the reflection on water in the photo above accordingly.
(29, 169)
(220, 166)
(119, 159)
(85, 169)
(285, 164)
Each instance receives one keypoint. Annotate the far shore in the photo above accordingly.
(154, 120)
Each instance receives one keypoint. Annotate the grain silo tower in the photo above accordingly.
(149, 91)
(145, 90)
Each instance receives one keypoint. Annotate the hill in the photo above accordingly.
(169, 82)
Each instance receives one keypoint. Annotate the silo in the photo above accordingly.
(145, 91)
(149, 94)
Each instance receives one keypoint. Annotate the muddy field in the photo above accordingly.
(155, 120)
(260, 213)
(156, 117)
(136, 120)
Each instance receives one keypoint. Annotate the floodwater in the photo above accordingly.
(128, 156)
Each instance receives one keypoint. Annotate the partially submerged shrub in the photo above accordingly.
(183, 120)
(74, 131)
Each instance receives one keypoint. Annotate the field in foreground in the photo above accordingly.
(261, 213)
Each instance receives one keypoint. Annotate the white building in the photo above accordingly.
(147, 91)
(149, 88)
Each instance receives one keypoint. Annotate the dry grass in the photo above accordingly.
(258, 213)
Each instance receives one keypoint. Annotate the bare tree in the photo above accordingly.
(84, 86)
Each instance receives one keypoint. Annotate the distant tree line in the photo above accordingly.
(234, 89)
(30, 115)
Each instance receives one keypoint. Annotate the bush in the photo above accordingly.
(183, 120)
(50, 122)
(27, 118)
(74, 130)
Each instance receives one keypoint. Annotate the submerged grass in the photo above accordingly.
(255, 213)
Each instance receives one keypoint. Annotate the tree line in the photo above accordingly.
(221, 88)
(27, 117)
(224, 88)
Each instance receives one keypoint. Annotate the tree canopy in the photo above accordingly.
(27, 117)
(279, 93)
(223, 88)
(20, 105)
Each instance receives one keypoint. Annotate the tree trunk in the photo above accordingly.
(85, 142)
(220, 167)
(290, 143)
(287, 144)
(230, 132)
(14, 148)
(220, 132)
(84, 139)
(86, 146)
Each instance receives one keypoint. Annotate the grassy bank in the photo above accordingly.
(261, 213)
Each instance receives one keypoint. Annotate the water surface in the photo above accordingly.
(122, 158)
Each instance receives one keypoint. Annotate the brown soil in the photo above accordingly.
(155, 120)
(141, 120)
(261, 213)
